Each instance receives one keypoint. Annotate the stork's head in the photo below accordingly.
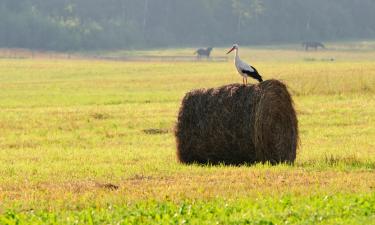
(235, 47)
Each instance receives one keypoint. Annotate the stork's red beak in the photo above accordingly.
(231, 50)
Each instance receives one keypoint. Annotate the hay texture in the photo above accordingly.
(237, 124)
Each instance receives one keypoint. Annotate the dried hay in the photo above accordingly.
(237, 124)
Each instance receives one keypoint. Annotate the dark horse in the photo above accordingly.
(312, 44)
(203, 52)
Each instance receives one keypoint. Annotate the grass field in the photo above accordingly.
(91, 142)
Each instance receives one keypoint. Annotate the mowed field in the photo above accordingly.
(91, 142)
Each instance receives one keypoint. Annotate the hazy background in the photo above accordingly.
(127, 24)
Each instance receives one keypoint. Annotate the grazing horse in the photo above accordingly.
(312, 44)
(203, 52)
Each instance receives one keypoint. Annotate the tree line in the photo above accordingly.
(112, 24)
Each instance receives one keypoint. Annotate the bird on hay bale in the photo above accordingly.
(244, 69)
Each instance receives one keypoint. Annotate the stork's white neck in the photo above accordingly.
(237, 57)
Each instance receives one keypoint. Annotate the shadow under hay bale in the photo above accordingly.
(237, 124)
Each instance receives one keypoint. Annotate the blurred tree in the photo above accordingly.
(111, 24)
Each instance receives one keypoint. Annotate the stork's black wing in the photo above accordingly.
(254, 74)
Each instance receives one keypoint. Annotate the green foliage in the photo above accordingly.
(325, 209)
(113, 24)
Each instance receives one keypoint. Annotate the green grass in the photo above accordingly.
(69, 127)
(338, 209)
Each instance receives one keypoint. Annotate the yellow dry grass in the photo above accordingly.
(70, 127)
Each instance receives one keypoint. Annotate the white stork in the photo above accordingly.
(244, 69)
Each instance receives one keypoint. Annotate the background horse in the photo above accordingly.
(203, 52)
(312, 44)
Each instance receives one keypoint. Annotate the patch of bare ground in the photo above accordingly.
(230, 183)
(155, 131)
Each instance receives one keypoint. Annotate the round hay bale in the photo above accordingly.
(237, 124)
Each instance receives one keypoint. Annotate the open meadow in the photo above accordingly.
(91, 142)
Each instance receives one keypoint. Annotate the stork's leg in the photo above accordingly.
(243, 80)
(246, 80)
